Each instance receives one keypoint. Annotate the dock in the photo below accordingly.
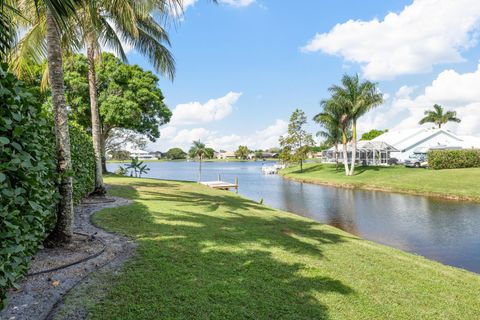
(221, 185)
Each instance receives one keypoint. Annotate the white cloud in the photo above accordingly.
(425, 33)
(261, 139)
(454, 91)
(212, 110)
(238, 3)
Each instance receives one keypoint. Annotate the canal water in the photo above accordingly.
(442, 230)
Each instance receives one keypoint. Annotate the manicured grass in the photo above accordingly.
(453, 183)
(208, 254)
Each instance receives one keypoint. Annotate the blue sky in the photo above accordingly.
(243, 66)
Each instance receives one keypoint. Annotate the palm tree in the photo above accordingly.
(60, 10)
(63, 230)
(330, 120)
(439, 117)
(107, 21)
(356, 98)
(47, 23)
(199, 150)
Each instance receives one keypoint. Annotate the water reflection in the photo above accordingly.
(446, 231)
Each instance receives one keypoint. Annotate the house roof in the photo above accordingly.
(407, 139)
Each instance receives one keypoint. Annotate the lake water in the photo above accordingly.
(442, 230)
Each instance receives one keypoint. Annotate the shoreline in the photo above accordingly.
(367, 187)
(236, 244)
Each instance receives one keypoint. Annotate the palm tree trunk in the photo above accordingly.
(345, 152)
(354, 147)
(96, 130)
(103, 142)
(200, 169)
(336, 157)
(301, 165)
(63, 230)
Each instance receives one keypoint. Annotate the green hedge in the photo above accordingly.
(454, 159)
(28, 178)
(83, 162)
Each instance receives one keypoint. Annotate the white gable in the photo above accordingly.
(413, 140)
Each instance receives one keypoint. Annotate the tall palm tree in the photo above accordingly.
(60, 10)
(63, 230)
(439, 117)
(103, 23)
(330, 120)
(357, 98)
(106, 22)
(199, 150)
(47, 20)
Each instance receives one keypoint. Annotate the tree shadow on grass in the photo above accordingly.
(313, 168)
(230, 259)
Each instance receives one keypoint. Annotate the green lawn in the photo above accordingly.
(454, 183)
(207, 254)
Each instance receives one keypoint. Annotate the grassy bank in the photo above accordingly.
(207, 254)
(452, 184)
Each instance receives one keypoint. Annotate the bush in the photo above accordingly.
(454, 159)
(27, 179)
(83, 162)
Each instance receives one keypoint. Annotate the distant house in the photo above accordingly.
(226, 155)
(141, 154)
(157, 154)
(401, 144)
(265, 155)
(420, 140)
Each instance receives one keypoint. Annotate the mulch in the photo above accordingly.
(92, 248)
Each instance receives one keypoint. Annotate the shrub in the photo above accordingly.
(453, 159)
(27, 179)
(83, 162)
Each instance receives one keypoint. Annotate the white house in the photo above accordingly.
(226, 155)
(141, 154)
(420, 140)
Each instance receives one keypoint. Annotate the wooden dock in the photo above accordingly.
(222, 185)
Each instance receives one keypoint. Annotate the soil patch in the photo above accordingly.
(42, 292)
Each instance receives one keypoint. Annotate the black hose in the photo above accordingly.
(75, 262)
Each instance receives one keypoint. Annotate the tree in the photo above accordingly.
(372, 134)
(355, 98)
(210, 153)
(120, 155)
(242, 152)
(331, 120)
(199, 150)
(63, 230)
(176, 154)
(128, 98)
(60, 10)
(134, 23)
(439, 117)
(119, 138)
(105, 22)
(297, 140)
